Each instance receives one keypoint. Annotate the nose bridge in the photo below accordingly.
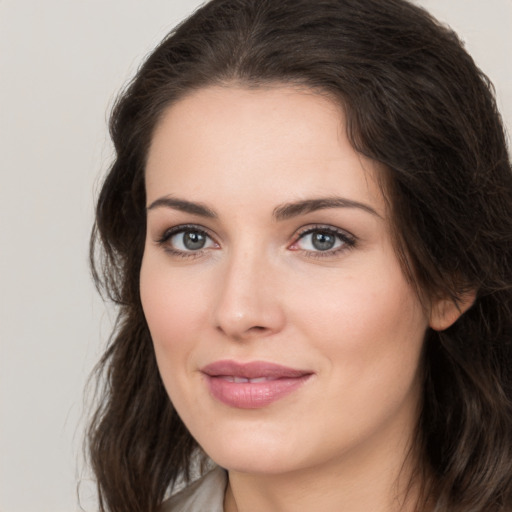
(247, 300)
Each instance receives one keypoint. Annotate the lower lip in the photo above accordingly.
(253, 395)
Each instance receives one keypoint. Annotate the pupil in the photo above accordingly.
(323, 241)
(193, 240)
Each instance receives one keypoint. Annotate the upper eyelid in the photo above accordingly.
(348, 240)
(163, 240)
(323, 227)
(298, 233)
(168, 232)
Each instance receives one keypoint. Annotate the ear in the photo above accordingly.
(445, 312)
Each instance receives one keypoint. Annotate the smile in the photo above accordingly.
(252, 385)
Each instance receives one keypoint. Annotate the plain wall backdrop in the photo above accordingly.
(61, 64)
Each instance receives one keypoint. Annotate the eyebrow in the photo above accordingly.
(294, 209)
(280, 213)
(183, 206)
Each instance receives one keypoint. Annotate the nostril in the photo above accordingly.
(255, 330)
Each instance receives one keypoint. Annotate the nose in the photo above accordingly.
(247, 303)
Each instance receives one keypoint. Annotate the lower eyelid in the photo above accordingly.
(163, 240)
(167, 234)
(343, 236)
(347, 240)
(184, 254)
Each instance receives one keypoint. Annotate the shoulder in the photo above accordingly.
(204, 495)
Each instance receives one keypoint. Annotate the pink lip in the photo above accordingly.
(229, 382)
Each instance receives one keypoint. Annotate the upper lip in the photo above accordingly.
(252, 370)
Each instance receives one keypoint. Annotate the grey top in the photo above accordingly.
(203, 495)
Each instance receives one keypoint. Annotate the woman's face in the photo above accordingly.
(285, 331)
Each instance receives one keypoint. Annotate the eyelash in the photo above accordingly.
(183, 228)
(348, 241)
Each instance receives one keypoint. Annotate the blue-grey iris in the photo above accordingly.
(323, 241)
(194, 240)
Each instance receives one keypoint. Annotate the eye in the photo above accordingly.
(319, 241)
(189, 240)
(186, 239)
(326, 240)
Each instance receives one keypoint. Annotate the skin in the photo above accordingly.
(260, 290)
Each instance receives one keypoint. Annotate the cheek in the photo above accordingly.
(369, 331)
(174, 311)
(367, 323)
(171, 306)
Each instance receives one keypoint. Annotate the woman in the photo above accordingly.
(307, 229)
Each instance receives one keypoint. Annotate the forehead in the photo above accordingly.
(272, 141)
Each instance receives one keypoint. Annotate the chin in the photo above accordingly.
(254, 462)
(256, 455)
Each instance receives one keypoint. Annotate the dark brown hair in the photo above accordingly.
(416, 102)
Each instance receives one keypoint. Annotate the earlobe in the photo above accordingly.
(445, 312)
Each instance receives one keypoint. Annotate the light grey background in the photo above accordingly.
(61, 63)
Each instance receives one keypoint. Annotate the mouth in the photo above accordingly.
(252, 385)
